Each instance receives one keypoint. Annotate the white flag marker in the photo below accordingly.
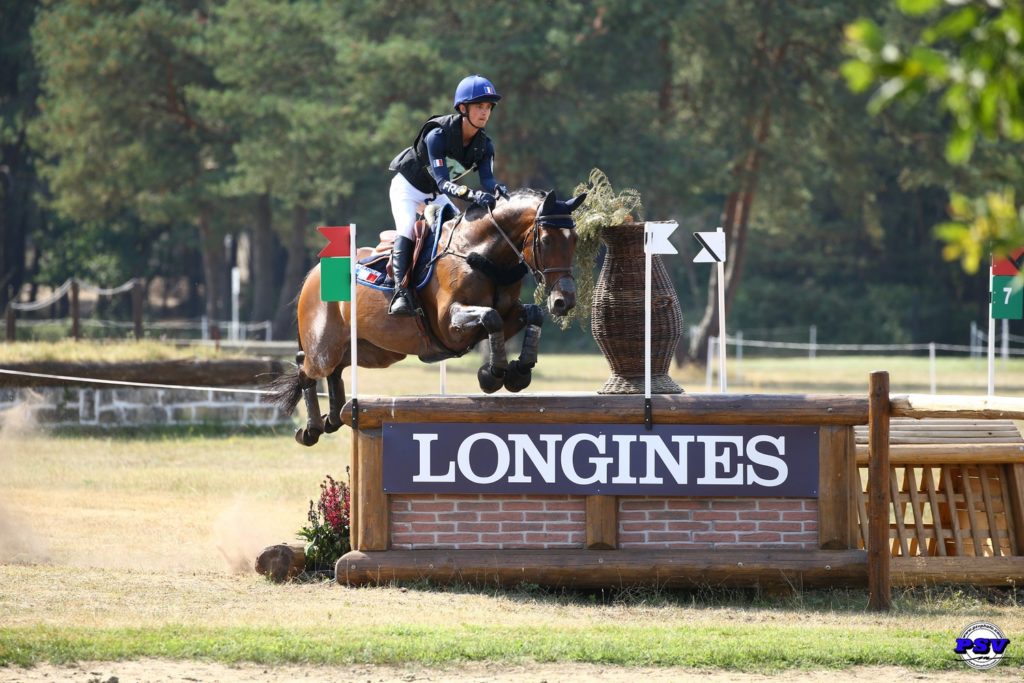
(353, 316)
(713, 251)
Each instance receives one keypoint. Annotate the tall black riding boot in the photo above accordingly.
(401, 262)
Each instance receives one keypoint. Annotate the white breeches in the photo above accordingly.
(407, 201)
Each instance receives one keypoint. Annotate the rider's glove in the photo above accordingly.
(501, 191)
(484, 199)
(455, 190)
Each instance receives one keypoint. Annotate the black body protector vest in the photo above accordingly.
(414, 163)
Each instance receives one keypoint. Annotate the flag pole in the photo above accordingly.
(721, 324)
(991, 330)
(352, 319)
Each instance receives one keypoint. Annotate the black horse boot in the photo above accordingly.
(401, 262)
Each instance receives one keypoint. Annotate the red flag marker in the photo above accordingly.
(338, 241)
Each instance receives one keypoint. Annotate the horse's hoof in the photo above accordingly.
(518, 376)
(332, 424)
(307, 436)
(489, 379)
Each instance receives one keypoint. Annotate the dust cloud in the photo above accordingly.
(19, 421)
(242, 530)
(18, 543)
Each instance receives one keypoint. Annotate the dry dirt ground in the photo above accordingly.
(157, 671)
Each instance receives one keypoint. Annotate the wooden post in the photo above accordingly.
(602, 522)
(137, 292)
(837, 497)
(9, 319)
(373, 513)
(879, 580)
(76, 313)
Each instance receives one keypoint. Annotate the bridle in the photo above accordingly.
(552, 222)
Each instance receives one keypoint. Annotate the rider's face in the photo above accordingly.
(478, 113)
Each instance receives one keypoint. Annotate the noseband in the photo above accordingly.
(556, 221)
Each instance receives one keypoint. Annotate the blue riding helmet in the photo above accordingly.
(475, 88)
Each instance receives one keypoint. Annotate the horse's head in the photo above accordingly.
(549, 247)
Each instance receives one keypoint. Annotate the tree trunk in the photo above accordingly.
(295, 271)
(15, 199)
(263, 273)
(211, 246)
(735, 221)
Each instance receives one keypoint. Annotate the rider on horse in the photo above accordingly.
(423, 176)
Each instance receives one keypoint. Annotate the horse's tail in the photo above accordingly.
(285, 391)
(286, 388)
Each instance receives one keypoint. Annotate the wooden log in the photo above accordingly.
(879, 583)
(605, 568)
(188, 372)
(985, 407)
(980, 571)
(945, 454)
(592, 408)
(602, 522)
(1014, 476)
(374, 514)
(837, 486)
(281, 562)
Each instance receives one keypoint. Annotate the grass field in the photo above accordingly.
(141, 546)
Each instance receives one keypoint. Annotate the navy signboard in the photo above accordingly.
(690, 460)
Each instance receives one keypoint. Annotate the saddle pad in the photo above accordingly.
(372, 271)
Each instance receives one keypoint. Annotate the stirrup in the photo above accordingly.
(401, 303)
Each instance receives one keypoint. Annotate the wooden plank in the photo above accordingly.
(941, 454)
(933, 502)
(979, 571)
(946, 479)
(1015, 484)
(592, 408)
(837, 483)
(879, 580)
(899, 510)
(910, 483)
(990, 513)
(603, 568)
(862, 510)
(1011, 525)
(602, 522)
(374, 512)
(972, 521)
(986, 407)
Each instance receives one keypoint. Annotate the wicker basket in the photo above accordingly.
(617, 318)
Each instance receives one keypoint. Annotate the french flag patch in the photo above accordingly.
(439, 162)
(489, 89)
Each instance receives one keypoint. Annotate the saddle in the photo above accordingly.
(376, 269)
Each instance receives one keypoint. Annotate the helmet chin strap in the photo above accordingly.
(465, 116)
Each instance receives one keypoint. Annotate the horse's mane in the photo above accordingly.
(519, 200)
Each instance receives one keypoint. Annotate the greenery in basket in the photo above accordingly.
(329, 530)
(604, 207)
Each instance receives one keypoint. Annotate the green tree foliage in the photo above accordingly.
(174, 130)
(965, 59)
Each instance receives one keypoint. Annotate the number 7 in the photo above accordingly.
(1009, 291)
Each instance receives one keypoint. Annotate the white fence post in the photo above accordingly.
(931, 365)
(712, 346)
(813, 347)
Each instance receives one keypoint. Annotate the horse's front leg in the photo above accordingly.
(467, 318)
(520, 371)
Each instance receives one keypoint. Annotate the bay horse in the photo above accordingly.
(473, 295)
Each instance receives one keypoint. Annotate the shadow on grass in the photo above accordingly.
(922, 600)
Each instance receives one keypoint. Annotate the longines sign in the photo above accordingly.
(691, 460)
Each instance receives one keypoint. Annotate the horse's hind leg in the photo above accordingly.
(336, 393)
(520, 371)
(310, 434)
